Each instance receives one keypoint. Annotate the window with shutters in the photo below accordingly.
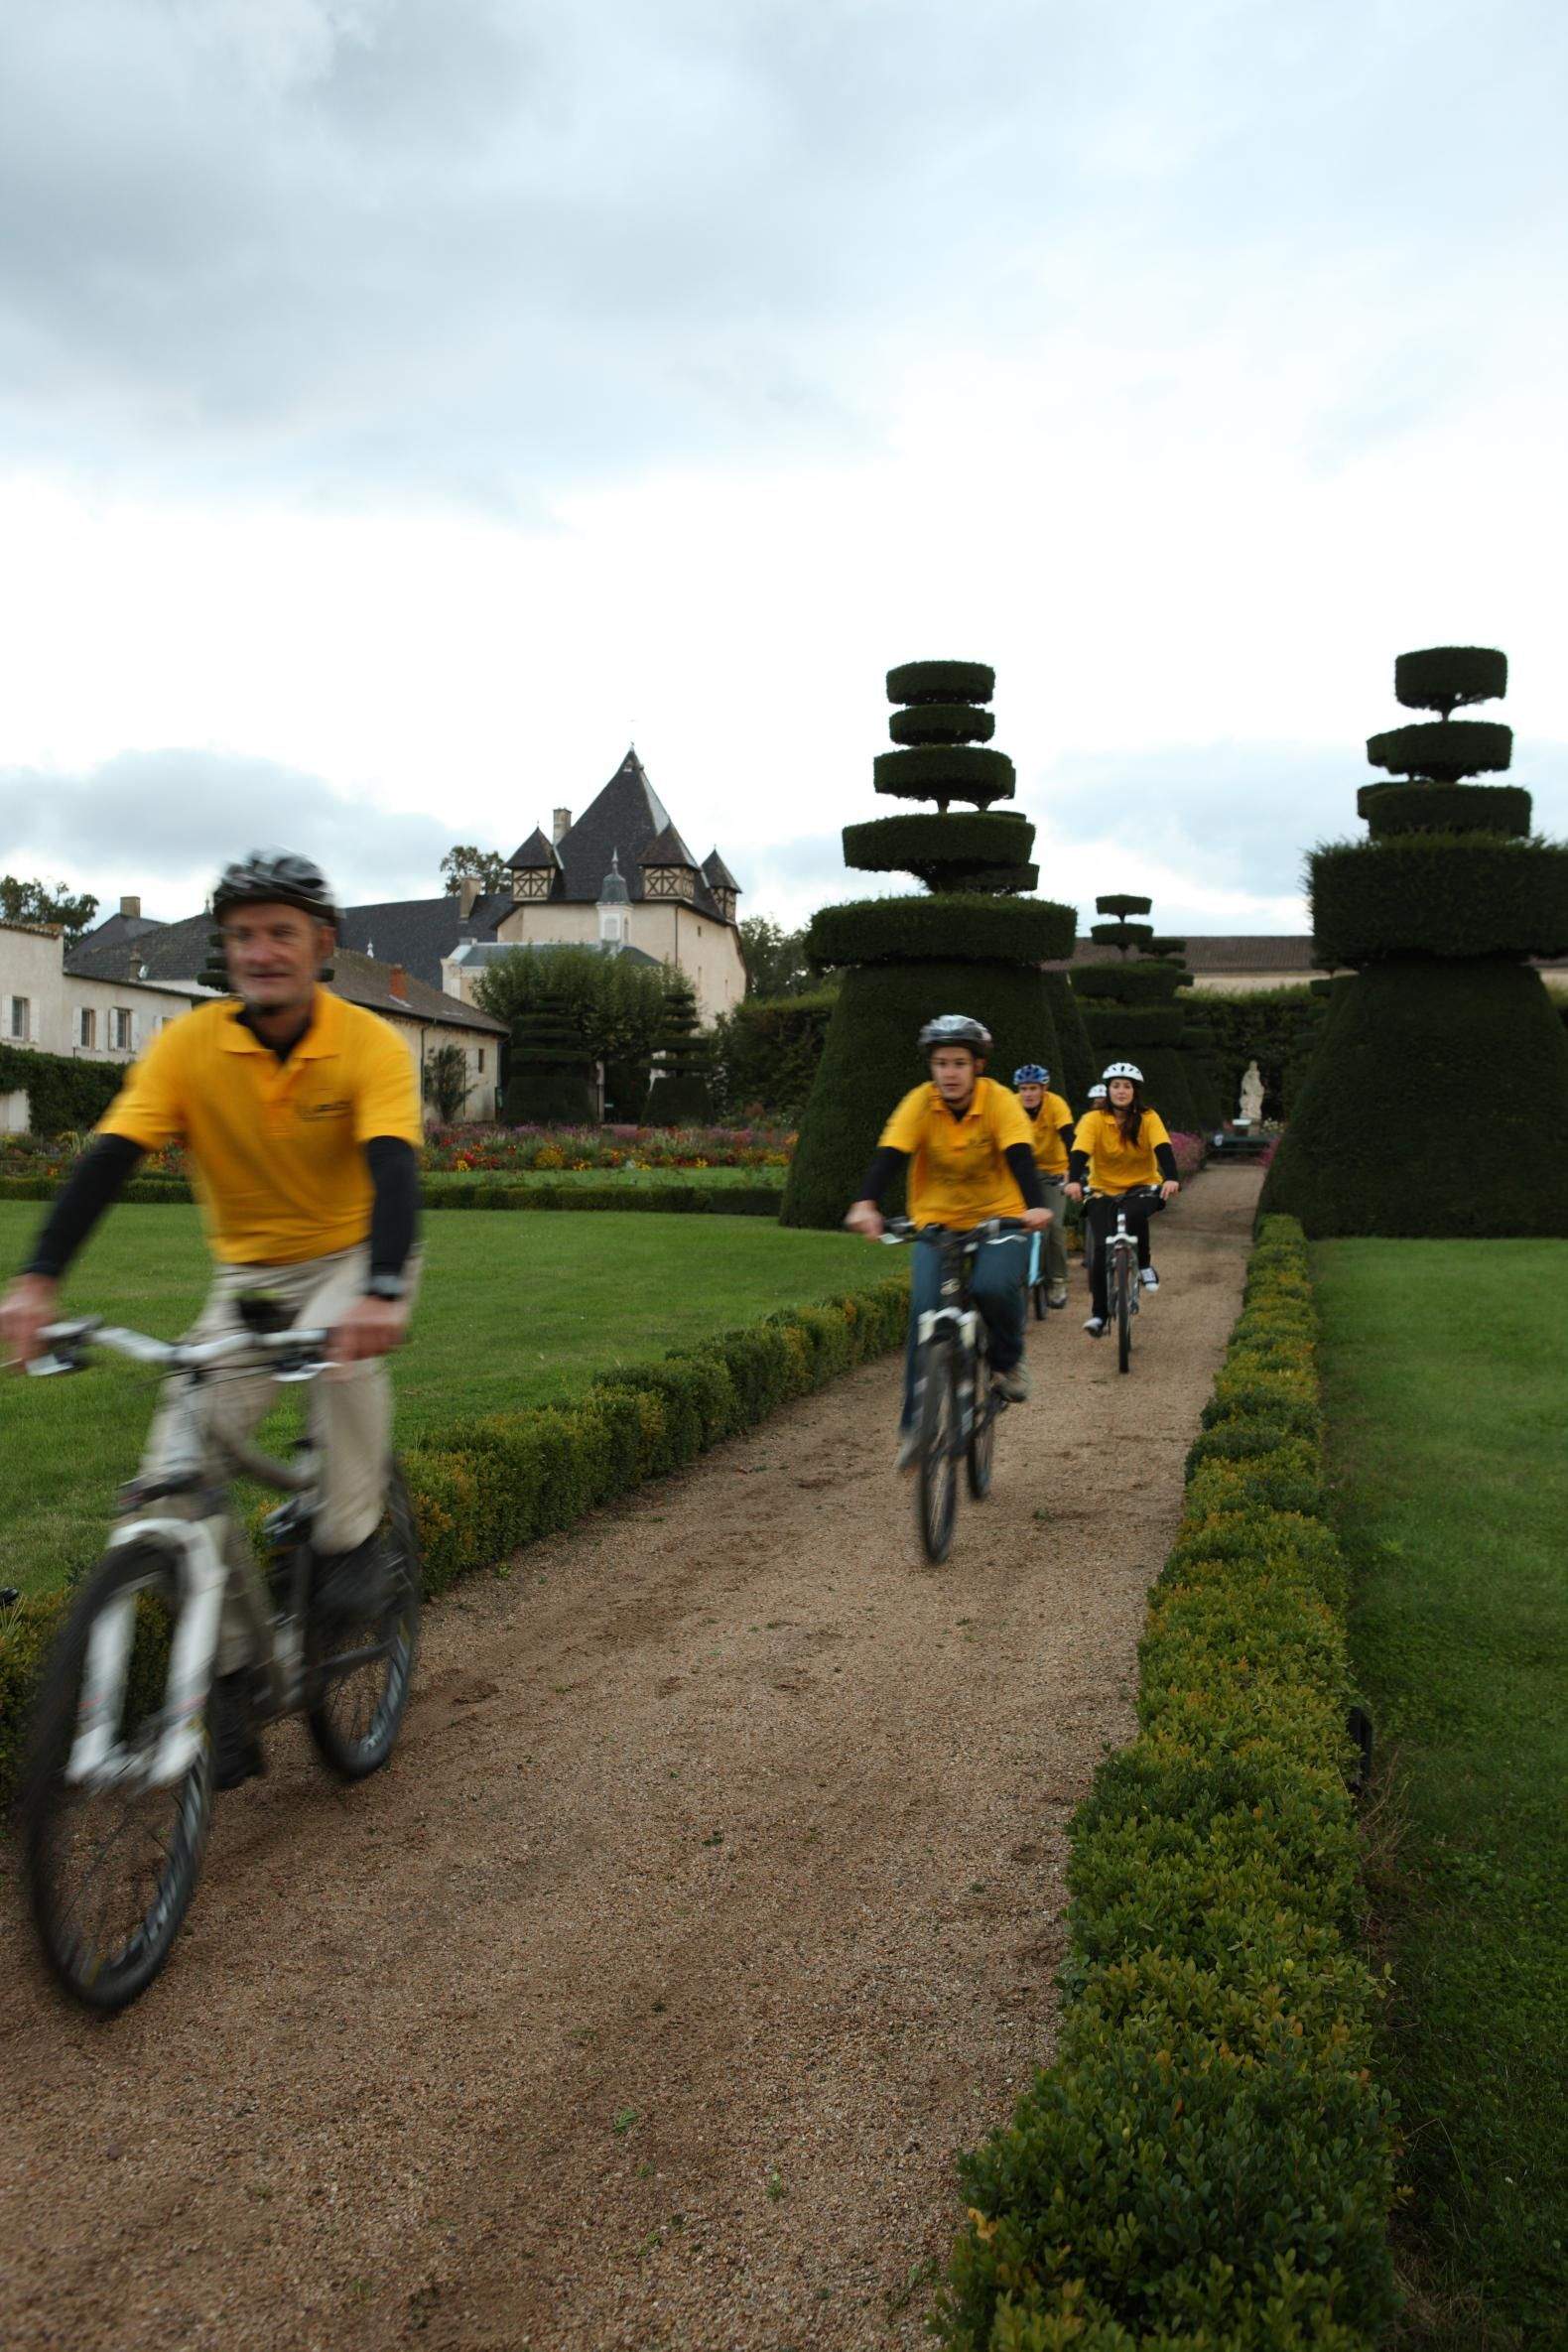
(89, 1027)
(21, 1016)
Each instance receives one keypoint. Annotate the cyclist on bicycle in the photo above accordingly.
(301, 1119)
(1119, 1150)
(971, 1155)
(1052, 1123)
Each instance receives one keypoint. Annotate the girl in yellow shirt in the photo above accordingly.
(1127, 1158)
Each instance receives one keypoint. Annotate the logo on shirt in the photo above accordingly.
(338, 1110)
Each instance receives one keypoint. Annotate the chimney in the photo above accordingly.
(468, 890)
(561, 822)
(131, 909)
(398, 982)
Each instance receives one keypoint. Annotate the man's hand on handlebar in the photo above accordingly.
(371, 1327)
(864, 1217)
(30, 1305)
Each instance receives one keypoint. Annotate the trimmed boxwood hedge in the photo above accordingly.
(1420, 1041)
(932, 772)
(872, 1055)
(943, 722)
(63, 1096)
(1143, 983)
(458, 1192)
(1075, 1070)
(1206, 2166)
(1443, 749)
(485, 1487)
(1445, 807)
(1447, 895)
(1123, 902)
(1441, 677)
(958, 927)
(1122, 935)
(941, 682)
(930, 846)
(1141, 1024)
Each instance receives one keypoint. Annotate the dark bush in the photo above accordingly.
(930, 772)
(1445, 807)
(1120, 902)
(766, 1051)
(941, 682)
(1144, 981)
(1442, 677)
(63, 1096)
(996, 881)
(958, 927)
(938, 847)
(1443, 895)
(1073, 1071)
(1122, 935)
(1443, 750)
(943, 722)
(1140, 1023)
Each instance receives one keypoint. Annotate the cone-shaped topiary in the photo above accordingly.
(1131, 1011)
(1077, 1069)
(1442, 1029)
(549, 1079)
(680, 1092)
(974, 945)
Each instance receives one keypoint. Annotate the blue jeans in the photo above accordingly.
(996, 1288)
(1049, 1250)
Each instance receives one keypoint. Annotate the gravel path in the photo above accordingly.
(711, 1905)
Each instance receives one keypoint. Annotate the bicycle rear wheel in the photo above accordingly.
(936, 1488)
(359, 1675)
(110, 1871)
(1125, 1279)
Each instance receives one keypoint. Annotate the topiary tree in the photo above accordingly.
(548, 1081)
(1442, 1038)
(446, 1084)
(975, 944)
(680, 1092)
(1131, 1010)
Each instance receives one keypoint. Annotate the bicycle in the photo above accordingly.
(118, 1786)
(1123, 1286)
(956, 1405)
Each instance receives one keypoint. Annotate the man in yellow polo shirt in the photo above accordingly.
(301, 1118)
(1051, 1120)
(971, 1151)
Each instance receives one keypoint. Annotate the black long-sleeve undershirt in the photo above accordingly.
(107, 1166)
(887, 1161)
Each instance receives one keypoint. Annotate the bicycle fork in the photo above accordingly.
(97, 1756)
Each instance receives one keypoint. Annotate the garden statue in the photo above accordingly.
(1251, 1105)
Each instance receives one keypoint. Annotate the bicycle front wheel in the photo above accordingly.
(111, 1867)
(359, 1675)
(1125, 1277)
(936, 1488)
(983, 1426)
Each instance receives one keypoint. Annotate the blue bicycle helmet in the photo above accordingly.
(1031, 1074)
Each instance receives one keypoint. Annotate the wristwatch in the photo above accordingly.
(390, 1286)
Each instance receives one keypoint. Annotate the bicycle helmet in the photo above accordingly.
(276, 877)
(1097, 1094)
(1031, 1074)
(955, 1028)
(1123, 1070)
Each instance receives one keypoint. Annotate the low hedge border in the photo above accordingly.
(485, 1487)
(452, 1192)
(1207, 2165)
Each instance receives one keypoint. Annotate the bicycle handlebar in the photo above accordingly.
(303, 1352)
(897, 1230)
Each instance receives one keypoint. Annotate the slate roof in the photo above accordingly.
(537, 850)
(367, 982)
(668, 848)
(147, 951)
(627, 816)
(117, 930)
(418, 932)
(716, 874)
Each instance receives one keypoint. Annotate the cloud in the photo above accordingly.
(161, 825)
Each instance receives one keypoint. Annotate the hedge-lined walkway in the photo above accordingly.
(712, 1907)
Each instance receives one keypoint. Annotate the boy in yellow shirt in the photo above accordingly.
(971, 1158)
(1121, 1150)
(1052, 1123)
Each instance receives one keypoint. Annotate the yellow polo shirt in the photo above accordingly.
(958, 1176)
(1116, 1165)
(1045, 1124)
(276, 1147)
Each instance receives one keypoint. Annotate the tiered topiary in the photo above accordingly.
(1437, 1099)
(1130, 1010)
(975, 945)
(548, 1085)
(681, 1089)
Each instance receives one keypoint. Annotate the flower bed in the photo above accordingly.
(514, 1150)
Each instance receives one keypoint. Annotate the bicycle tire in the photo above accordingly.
(936, 1488)
(1041, 1304)
(381, 1701)
(1124, 1281)
(980, 1453)
(107, 1980)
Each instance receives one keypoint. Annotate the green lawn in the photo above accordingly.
(1447, 1382)
(515, 1310)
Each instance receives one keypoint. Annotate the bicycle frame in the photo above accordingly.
(955, 1318)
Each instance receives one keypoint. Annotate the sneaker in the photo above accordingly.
(1096, 1326)
(1014, 1384)
(908, 1449)
(353, 1587)
(1056, 1296)
(236, 1750)
(1148, 1277)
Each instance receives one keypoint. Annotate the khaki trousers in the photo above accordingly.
(349, 1415)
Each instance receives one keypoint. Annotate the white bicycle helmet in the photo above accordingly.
(1123, 1070)
(1097, 1094)
(955, 1028)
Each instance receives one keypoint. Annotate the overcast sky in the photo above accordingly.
(404, 404)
